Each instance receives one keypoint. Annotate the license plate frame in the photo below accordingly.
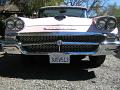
(59, 58)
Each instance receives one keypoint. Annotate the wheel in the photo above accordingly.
(96, 61)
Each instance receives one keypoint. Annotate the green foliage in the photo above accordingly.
(114, 10)
(28, 6)
(97, 6)
(54, 2)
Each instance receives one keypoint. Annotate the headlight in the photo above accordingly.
(10, 24)
(111, 24)
(14, 24)
(101, 24)
(19, 24)
(106, 23)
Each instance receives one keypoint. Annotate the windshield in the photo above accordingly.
(72, 12)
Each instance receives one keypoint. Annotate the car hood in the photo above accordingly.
(54, 21)
(51, 24)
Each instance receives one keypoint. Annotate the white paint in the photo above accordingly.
(115, 31)
(53, 21)
(70, 24)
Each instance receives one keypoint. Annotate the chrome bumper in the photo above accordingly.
(107, 47)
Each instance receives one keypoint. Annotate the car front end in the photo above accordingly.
(45, 39)
(61, 35)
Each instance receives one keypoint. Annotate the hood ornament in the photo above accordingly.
(59, 43)
(60, 17)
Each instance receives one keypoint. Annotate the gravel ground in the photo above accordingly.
(15, 76)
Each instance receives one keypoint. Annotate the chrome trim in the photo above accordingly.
(105, 48)
(64, 6)
(80, 43)
(38, 44)
(59, 34)
(111, 43)
(70, 53)
(63, 43)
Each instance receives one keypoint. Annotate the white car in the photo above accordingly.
(61, 32)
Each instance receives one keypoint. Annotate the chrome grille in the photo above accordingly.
(78, 48)
(41, 39)
(42, 48)
(48, 43)
(63, 48)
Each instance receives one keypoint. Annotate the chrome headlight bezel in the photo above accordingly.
(111, 24)
(101, 24)
(106, 23)
(17, 24)
(10, 24)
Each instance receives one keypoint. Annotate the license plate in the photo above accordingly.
(56, 58)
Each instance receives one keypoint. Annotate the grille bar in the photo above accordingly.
(42, 48)
(70, 43)
(63, 48)
(42, 39)
(63, 43)
(78, 48)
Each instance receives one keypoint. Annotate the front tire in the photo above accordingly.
(96, 61)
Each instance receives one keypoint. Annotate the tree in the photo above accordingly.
(28, 6)
(113, 10)
(94, 5)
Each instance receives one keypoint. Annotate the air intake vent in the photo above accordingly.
(59, 18)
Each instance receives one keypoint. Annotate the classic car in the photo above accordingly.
(61, 32)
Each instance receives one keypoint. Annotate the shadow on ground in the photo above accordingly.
(118, 53)
(11, 66)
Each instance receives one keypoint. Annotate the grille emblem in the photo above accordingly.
(59, 42)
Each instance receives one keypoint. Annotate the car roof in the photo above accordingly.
(77, 7)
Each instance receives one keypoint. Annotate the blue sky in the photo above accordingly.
(115, 1)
